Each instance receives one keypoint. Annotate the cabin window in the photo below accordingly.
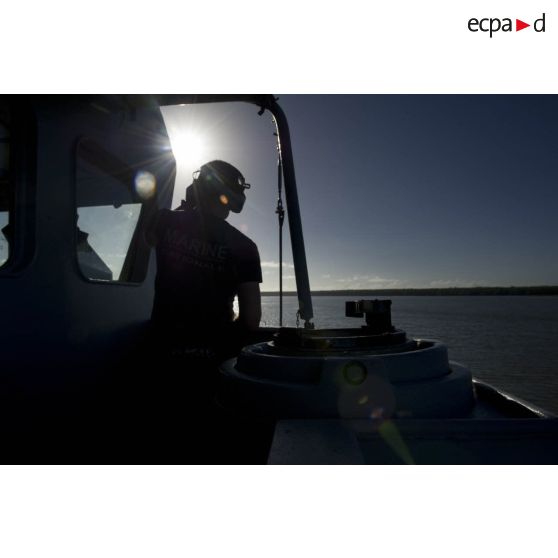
(5, 192)
(104, 235)
(114, 198)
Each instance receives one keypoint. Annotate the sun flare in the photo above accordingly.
(189, 148)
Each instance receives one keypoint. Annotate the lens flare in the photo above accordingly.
(354, 373)
(363, 400)
(392, 437)
(377, 413)
(145, 185)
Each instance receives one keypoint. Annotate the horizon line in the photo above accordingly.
(553, 288)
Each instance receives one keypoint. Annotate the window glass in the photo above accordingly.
(103, 237)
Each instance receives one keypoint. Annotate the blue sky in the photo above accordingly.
(397, 190)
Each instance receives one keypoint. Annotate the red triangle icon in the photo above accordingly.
(519, 25)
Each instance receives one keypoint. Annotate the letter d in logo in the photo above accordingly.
(539, 24)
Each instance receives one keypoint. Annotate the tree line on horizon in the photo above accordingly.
(447, 291)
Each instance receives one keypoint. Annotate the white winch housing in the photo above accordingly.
(331, 374)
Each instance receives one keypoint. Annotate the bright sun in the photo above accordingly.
(189, 148)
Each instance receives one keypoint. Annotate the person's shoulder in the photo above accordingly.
(238, 236)
(160, 214)
(160, 220)
(175, 215)
(163, 213)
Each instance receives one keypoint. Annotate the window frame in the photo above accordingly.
(138, 247)
(23, 178)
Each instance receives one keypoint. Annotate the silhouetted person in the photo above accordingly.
(202, 264)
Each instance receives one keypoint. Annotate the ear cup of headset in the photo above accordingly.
(222, 183)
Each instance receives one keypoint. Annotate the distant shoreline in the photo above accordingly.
(452, 291)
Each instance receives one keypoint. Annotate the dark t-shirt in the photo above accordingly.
(201, 260)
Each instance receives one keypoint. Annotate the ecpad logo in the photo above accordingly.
(493, 25)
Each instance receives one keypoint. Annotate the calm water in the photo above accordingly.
(509, 341)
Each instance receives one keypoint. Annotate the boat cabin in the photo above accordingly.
(80, 382)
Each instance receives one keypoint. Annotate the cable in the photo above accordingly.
(281, 216)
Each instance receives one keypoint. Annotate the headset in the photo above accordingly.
(218, 182)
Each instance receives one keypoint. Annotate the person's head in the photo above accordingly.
(218, 188)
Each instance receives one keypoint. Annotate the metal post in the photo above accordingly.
(295, 224)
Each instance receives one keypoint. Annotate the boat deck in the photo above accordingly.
(500, 430)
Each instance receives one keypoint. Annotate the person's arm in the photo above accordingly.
(249, 305)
